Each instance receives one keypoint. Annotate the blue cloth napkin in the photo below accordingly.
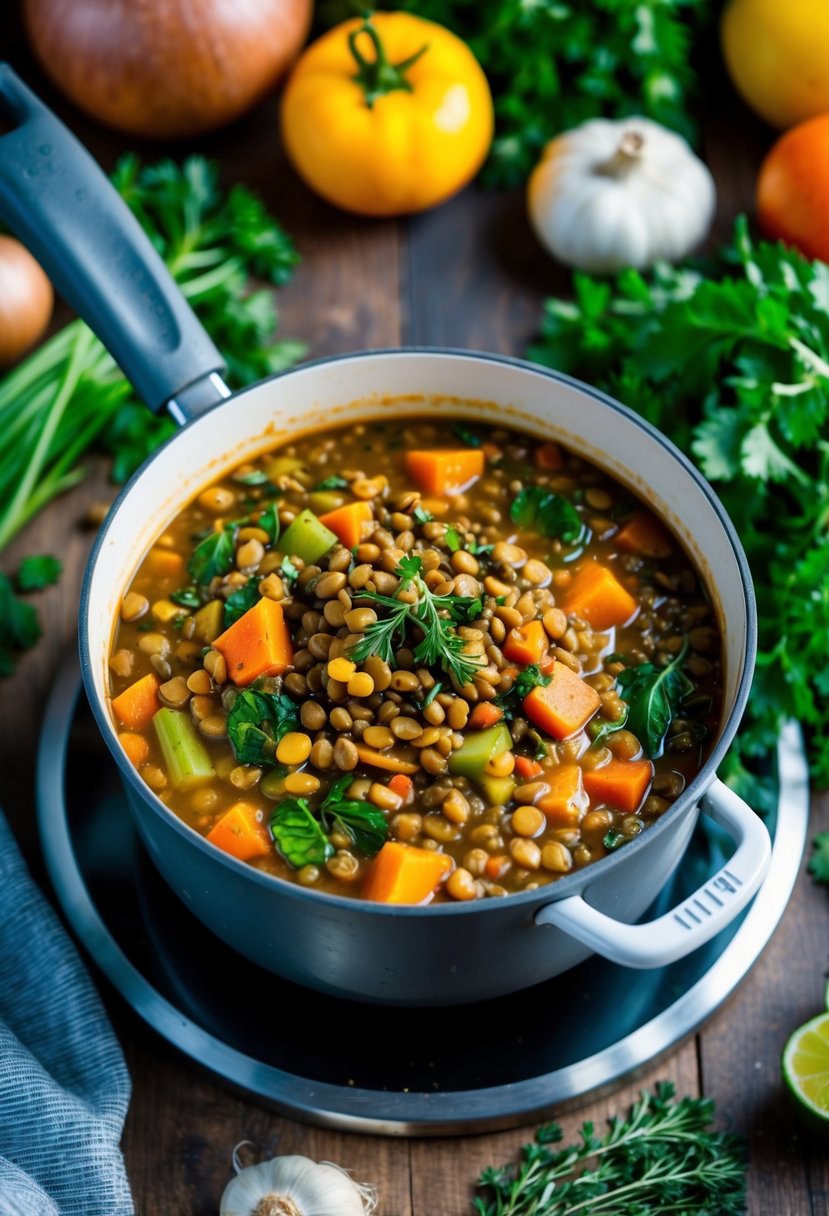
(64, 1086)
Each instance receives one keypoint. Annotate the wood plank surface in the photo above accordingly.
(468, 274)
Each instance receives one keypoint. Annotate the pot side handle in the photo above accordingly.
(57, 200)
(698, 918)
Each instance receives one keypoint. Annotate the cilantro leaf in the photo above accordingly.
(528, 679)
(421, 516)
(453, 540)
(541, 510)
(35, 573)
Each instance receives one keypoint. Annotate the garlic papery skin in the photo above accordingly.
(610, 194)
(295, 1186)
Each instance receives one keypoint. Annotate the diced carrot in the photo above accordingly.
(403, 874)
(567, 800)
(135, 706)
(646, 535)
(620, 783)
(403, 786)
(445, 472)
(377, 759)
(164, 563)
(562, 707)
(526, 643)
(346, 522)
(526, 768)
(496, 865)
(548, 457)
(136, 747)
(258, 644)
(597, 596)
(485, 714)
(240, 833)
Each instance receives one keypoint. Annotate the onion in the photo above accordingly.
(166, 68)
(26, 300)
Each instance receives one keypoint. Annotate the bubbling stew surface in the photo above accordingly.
(414, 661)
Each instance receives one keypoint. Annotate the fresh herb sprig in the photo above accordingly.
(434, 617)
(654, 696)
(663, 1157)
(554, 65)
(731, 360)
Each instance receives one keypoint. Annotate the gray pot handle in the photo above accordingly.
(56, 199)
(698, 918)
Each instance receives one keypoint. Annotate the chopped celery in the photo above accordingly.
(477, 751)
(496, 790)
(307, 538)
(209, 621)
(185, 755)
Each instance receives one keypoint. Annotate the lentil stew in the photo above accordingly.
(413, 662)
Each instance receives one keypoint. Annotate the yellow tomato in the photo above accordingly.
(387, 116)
(777, 53)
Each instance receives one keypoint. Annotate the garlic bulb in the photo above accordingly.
(612, 194)
(295, 1186)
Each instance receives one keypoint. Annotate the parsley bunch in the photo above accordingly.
(555, 63)
(70, 395)
(663, 1157)
(731, 360)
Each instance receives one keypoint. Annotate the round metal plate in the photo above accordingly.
(515, 1060)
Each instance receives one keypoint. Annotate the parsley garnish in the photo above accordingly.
(453, 540)
(528, 679)
(433, 616)
(662, 1157)
(421, 516)
(466, 436)
(288, 572)
(186, 597)
(548, 513)
(332, 483)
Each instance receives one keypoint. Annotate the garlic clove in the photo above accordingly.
(295, 1186)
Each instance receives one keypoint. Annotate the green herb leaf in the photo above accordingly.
(453, 540)
(288, 572)
(256, 723)
(298, 835)
(268, 521)
(186, 597)
(663, 1156)
(421, 516)
(654, 695)
(19, 624)
(601, 729)
(364, 823)
(431, 694)
(212, 557)
(528, 679)
(256, 477)
(466, 436)
(819, 860)
(239, 601)
(334, 482)
(35, 573)
(541, 510)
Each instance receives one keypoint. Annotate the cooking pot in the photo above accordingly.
(53, 195)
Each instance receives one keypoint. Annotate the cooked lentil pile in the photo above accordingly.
(410, 661)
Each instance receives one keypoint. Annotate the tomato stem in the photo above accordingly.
(378, 76)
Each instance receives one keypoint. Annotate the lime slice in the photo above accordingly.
(805, 1067)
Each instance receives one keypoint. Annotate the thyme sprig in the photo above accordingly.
(434, 617)
(663, 1157)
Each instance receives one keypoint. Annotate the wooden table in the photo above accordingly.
(468, 275)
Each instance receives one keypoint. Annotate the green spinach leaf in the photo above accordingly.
(654, 695)
(240, 601)
(256, 723)
(364, 823)
(212, 557)
(298, 835)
